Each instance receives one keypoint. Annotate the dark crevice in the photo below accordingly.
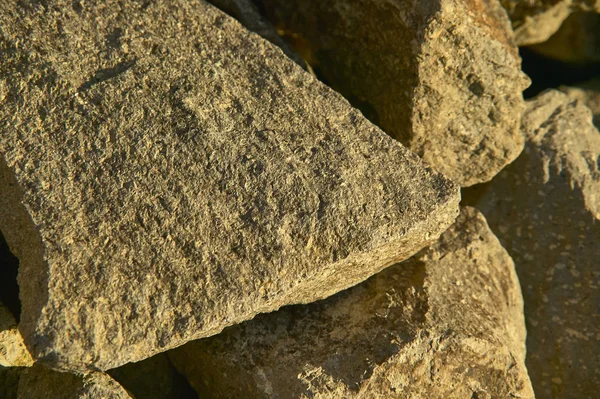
(9, 288)
(548, 73)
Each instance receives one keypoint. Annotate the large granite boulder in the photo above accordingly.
(447, 323)
(441, 76)
(545, 209)
(166, 173)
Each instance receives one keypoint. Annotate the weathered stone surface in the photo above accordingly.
(153, 378)
(13, 352)
(246, 12)
(589, 94)
(577, 41)
(534, 21)
(39, 382)
(545, 209)
(447, 323)
(168, 173)
(443, 76)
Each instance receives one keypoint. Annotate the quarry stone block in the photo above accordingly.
(447, 323)
(166, 173)
(443, 76)
(545, 209)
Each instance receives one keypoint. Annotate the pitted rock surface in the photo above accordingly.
(166, 173)
(447, 323)
(545, 209)
(443, 77)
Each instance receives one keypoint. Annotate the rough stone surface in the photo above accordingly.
(246, 12)
(447, 323)
(153, 378)
(577, 41)
(545, 209)
(167, 173)
(443, 77)
(39, 382)
(589, 94)
(534, 21)
(13, 352)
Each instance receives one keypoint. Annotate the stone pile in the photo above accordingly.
(260, 199)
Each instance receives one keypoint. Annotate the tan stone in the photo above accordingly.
(443, 76)
(589, 94)
(545, 209)
(447, 323)
(166, 173)
(577, 41)
(13, 352)
(535, 21)
(39, 382)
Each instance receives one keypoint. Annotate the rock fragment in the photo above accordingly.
(13, 352)
(39, 382)
(536, 21)
(577, 41)
(443, 76)
(545, 209)
(166, 173)
(9, 381)
(445, 323)
(589, 94)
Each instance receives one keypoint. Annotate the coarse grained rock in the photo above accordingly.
(535, 21)
(447, 323)
(545, 209)
(589, 93)
(40, 382)
(167, 173)
(13, 352)
(153, 378)
(247, 13)
(443, 77)
(577, 40)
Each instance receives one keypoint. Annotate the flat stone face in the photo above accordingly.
(443, 77)
(13, 352)
(166, 173)
(536, 21)
(39, 382)
(545, 209)
(445, 323)
(589, 94)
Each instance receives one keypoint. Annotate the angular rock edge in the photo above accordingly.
(89, 303)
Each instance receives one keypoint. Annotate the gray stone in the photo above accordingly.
(589, 94)
(39, 382)
(166, 173)
(577, 41)
(545, 209)
(443, 77)
(447, 323)
(535, 21)
(13, 352)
